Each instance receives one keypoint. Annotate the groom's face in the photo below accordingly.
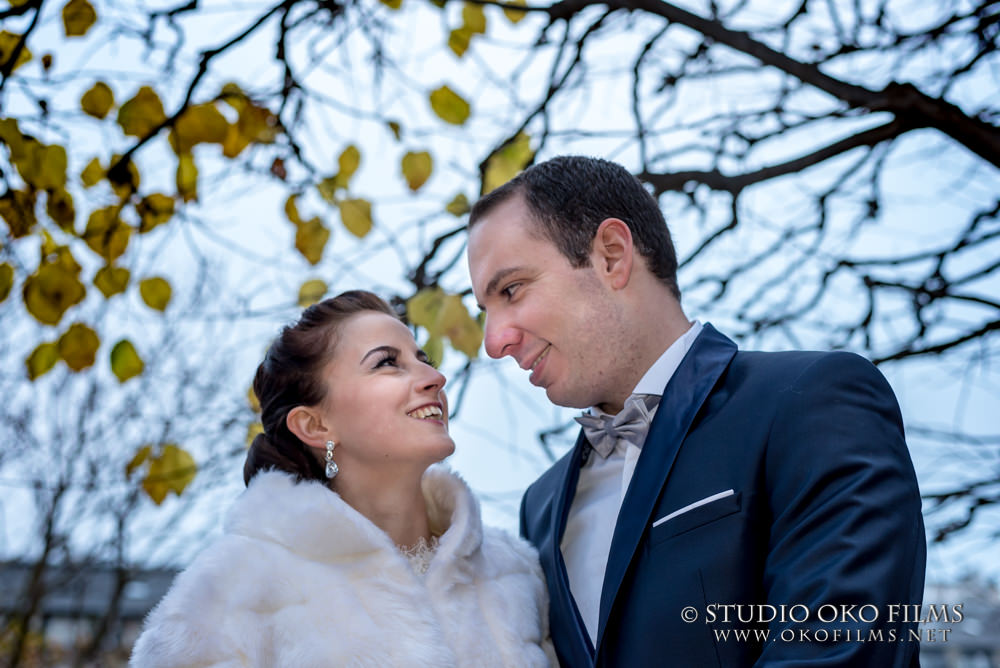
(556, 320)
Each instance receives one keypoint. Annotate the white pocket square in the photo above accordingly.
(692, 506)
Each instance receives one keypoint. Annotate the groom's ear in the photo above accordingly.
(611, 252)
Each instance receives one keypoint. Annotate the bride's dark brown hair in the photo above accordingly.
(291, 375)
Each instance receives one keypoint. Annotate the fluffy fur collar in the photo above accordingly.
(301, 580)
(263, 510)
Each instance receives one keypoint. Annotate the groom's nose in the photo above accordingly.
(500, 337)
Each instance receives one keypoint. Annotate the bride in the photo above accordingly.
(350, 546)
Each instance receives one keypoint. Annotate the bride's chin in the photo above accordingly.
(444, 450)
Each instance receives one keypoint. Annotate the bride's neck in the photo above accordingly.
(395, 506)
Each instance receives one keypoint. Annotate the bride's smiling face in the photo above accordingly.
(385, 403)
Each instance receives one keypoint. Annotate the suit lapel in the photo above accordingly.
(684, 395)
(577, 644)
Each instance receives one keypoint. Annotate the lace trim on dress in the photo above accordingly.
(420, 553)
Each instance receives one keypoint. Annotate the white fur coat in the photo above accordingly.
(301, 580)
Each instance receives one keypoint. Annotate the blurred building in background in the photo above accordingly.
(90, 614)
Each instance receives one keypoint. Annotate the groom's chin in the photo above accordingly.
(566, 399)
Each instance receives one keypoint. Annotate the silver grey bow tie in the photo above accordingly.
(631, 424)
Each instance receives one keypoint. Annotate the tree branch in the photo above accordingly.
(903, 100)
(734, 184)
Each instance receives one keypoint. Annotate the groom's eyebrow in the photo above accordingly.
(494, 283)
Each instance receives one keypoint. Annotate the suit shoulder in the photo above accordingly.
(550, 480)
(798, 366)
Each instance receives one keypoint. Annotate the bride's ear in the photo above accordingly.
(307, 424)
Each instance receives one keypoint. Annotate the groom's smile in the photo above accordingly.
(537, 366)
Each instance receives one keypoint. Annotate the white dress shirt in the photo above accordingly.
(600, 492)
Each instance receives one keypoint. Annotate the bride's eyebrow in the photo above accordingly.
(392, 350)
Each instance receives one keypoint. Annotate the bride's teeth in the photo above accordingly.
(425, 412)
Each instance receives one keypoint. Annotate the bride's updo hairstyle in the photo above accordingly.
(291, 375)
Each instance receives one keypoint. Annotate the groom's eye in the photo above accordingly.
(509, 290)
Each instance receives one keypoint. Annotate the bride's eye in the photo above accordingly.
(388, 360)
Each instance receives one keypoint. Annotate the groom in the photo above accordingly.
(720, 507)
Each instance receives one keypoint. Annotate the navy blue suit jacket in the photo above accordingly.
(825, 511)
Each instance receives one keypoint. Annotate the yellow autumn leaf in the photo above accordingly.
(98, 101)
(155, 292)
(422, 308)
(252, 399)
(180, 466)
(78, 346)
(138, 459)
(396, 129)
(507, 162)
(449, 105)
(327, 189)
(49, 246)
(78, 16)
(107, 234)
(458, 206)
(171, 471)
(59, 206)
(142, 114)
(515, 15)
(253, 429)
(235, 142)
(356, 215)
(434, 348)
(417, 168)
(199, 124)
(474, 18)
(292, 210)
(154, 209)
(155, 489)
(347, 164)
(255, 125)
(258, 124)
(392, 4)
(234, 96)
(42, 166)
(124, 178)
(6, 280)
(11, 135)
(51, 290)
(125, 361)
(187, 177)
(92, 173)
(311, 292)
(459, 40)
(63, 257)
(461, 328)
(310, 239)
(17, 208)
(42, 359)
(8, 42)
(111, 280)
(444, 315)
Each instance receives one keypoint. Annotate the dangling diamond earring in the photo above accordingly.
(331, 466)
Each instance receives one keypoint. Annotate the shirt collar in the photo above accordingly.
(658, 375)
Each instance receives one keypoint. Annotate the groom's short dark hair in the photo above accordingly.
(569, 196)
